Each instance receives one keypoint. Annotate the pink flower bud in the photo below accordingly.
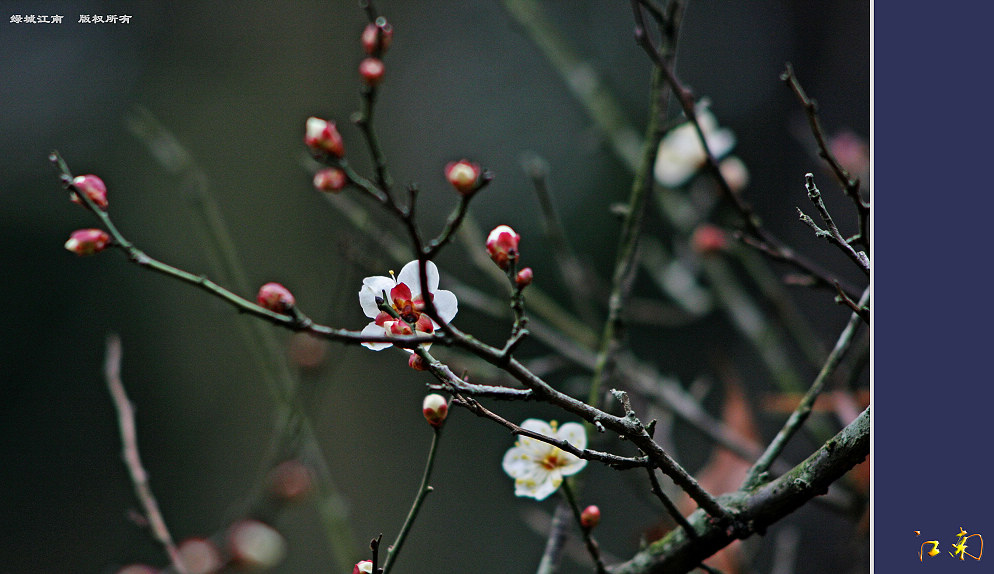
(416, 363)
(502, 245)
(91, 186)
(330, 179)
(708, 239)
(275, 297)
(590, 516)
(435, 409)
(463, 175)
(371, 70)
(256, 545)
(363, 567)
(200, 556)
(524, 277)
(87, 241)
(376, 37)
(291, 480)
(322, 137)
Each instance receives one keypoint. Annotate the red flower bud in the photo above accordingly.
(87, 241)
(363, 567)
(524, 277)
(708, 239)
(416, 363)
(322, 137)
(502, 245)
(590, 516)
(91, 186)
(463, 175)
(371, 70)
(376, 37)
(275, 297)
(330, 179)
(435, 409)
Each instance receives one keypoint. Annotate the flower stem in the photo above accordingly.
(412, 514)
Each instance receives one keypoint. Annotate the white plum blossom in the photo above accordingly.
(681, 154)
(538, 467)
(404, 294)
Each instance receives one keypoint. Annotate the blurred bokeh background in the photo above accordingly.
(233, 83)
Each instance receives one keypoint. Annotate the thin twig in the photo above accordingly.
(132, 459)
(423, 490)
(758, 472)
(671, 508)
(588, 538)
(849, 183)
(612, 460)
(832, 233)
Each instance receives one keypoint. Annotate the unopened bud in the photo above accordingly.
(322, 137)
(590, 516)
(199, 556)
(363, 567)
(708, 239)
(416, 363)
(330, 179)
(254, 544)
(435, 409)
(464, 175)
(524, 277)
(91, 186)
(275, 297)
(502, 245)
(376, 37)
(291, 480)
(87, 241)
(371, 70)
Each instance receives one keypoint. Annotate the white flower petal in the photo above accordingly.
(534, 484)
(518, 463)
(373, 287)
(446, 304)
(573, 433)
(410, 275)
(539, 426)
(573, 464)
(374, 330)
(551, 483)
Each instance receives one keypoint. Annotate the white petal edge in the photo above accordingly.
(573, 433)
(374, 330)
(410, 275)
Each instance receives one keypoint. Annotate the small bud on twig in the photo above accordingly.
(275, 297)
(330, 179)
(435, 409)
(91, 186)
(502, 245)
(590, 517)
(371, 70)
(87, 241)
(464, 175)
(322, 137)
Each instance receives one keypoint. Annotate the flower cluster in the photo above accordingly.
(404, 296)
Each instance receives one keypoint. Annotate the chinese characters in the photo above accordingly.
(959, 547)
